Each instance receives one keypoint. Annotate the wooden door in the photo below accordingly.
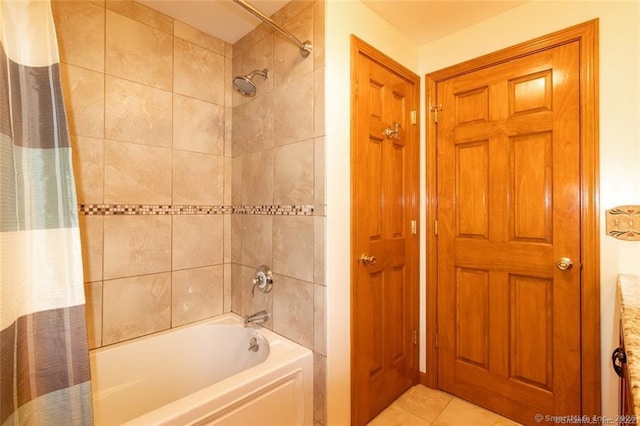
(508, 177)
(384, 235)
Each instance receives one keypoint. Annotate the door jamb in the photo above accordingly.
(587, 35)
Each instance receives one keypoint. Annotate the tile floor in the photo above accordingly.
(421, 406)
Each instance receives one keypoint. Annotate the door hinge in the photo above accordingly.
(436, 339)
(415, 337)
(434, 110)
(414, 117)
(414, 227)
(435, 227)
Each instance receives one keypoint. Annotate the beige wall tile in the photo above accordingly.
(136, 306)
(293, 309)
(142, 14)
(236, 180)
(196, 294)
(288, 62)
(293, 173)
(226, 220)
(138, 52)
(319, 231)
(320, 389)
(93, 294)
(80, 31)
(318, 103)
(257, 240)
(291, 10)
(198, 126)
(227, 288)
(253, 126)
(197, 241)
(88, 168)
(91, 236)
(197, 178)
(228, 132)
(137, 113)
(228, 176)
(198, 72)
(249, 41)
(319, 171)
(228, 78)
(199, 38)
(257, 178)
(236, 238)
(319, 315)
(318, 33)
(137, 174)
(136, 245)
(293, 246)
(83, 92)
(294, 103)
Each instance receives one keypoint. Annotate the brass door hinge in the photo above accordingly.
(414, 117)
(434, 110)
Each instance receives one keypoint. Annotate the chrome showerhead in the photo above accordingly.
(244, 84)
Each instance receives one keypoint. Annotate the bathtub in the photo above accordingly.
(204, 373)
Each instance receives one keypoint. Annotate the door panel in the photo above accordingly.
(531, 166)
(508, 207)
(384, 194)
(472, 182)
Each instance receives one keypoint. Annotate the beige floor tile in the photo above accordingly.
(395, 416)
(423, 402)
(461, 413)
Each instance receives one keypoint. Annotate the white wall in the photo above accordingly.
(619, 121)
(344, 18)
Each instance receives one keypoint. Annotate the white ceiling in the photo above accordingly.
(420, 20)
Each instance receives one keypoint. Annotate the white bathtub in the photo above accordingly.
(203, 373)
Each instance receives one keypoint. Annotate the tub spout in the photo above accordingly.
(259, 317)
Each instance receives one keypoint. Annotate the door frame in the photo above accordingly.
(358, 47)
(586, 34)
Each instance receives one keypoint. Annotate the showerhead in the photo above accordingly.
(244, 84)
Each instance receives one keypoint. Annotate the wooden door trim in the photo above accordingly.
(358, 47)
(587, 35)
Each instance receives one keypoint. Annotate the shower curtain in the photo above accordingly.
(44, 356)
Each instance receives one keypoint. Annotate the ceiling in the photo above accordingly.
(420, 20)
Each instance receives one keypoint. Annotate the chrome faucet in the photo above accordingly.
(259, 317)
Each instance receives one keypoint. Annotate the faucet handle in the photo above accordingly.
(263, 279)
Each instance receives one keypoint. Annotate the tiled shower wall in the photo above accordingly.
(149, 109)
(176, 213)
(278, 160)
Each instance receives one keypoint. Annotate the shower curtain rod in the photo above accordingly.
(305, 48)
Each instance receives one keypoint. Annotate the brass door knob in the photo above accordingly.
(564, 264)
(367, 260)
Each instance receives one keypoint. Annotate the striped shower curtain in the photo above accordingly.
(44, 357)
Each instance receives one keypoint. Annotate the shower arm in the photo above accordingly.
(305, 48)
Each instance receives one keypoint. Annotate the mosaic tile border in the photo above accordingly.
(161, 209)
